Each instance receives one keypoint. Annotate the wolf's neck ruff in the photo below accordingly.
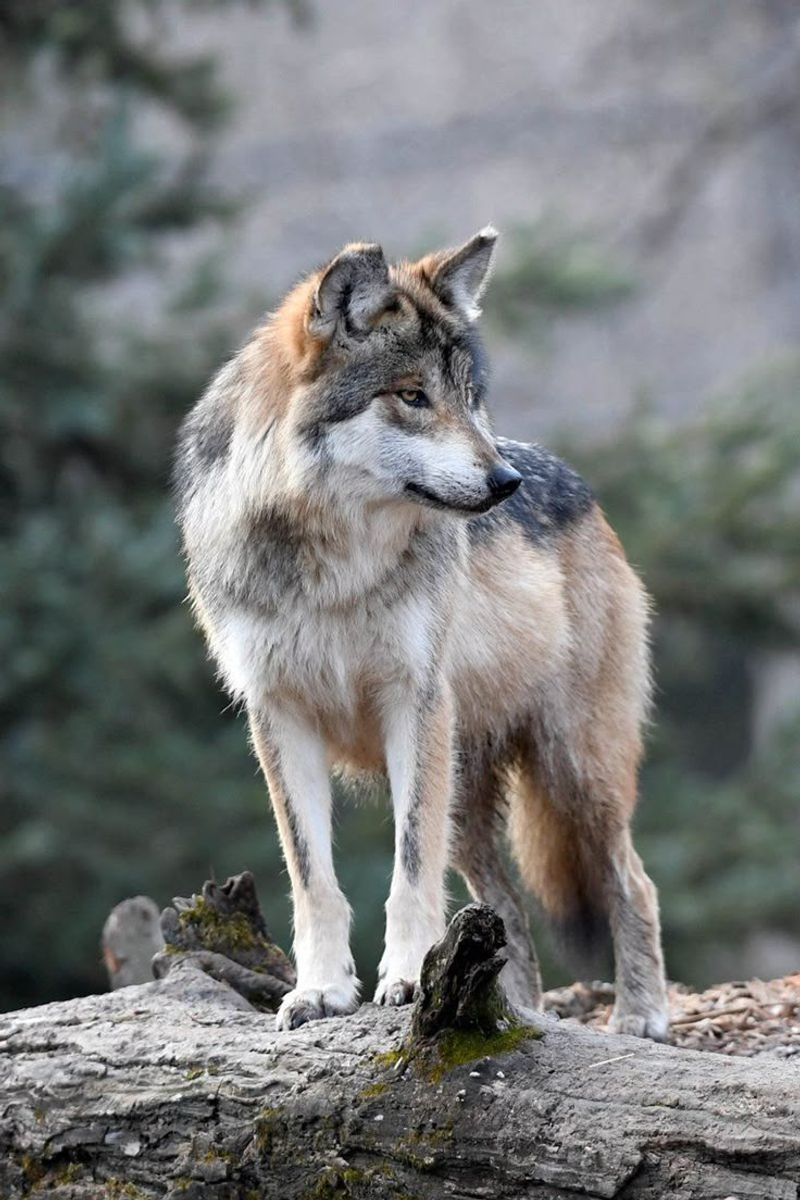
(344, 557)
(386, 587)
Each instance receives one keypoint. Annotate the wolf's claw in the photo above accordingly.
(312, 1004)
(395, 993)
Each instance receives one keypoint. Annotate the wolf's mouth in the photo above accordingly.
(429, 497)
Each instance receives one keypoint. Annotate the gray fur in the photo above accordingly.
(411, 849)
(205, 435)
(299, 843)
(410, 844)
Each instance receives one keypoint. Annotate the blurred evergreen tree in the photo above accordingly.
(552, 270)
(120, 774)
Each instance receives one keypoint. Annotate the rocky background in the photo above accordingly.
(665, 134)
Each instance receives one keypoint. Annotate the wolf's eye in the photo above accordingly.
(414, 398)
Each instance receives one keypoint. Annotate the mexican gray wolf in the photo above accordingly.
(388, 587)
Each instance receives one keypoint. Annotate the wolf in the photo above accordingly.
(388, 587)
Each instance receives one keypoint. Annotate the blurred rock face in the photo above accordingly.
(131, 936)
(669, 130)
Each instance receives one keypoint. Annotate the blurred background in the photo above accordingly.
(166, 171)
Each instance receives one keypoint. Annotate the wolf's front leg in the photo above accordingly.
(419, 758)
(294, 762)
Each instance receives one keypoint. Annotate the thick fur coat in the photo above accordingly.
(388, 587)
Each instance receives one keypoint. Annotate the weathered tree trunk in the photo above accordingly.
(179, 1088)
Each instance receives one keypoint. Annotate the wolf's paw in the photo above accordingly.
(653, 1024)
(312, 1004)
(395, 992)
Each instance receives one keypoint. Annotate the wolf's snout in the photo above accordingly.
(503, 481)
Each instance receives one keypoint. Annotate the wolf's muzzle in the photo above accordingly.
(503, 481)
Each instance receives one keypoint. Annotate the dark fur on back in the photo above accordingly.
(551, 497)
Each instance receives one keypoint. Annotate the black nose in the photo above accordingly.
(503, 481)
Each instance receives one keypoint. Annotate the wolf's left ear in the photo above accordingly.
(459, 277)
(353, 288)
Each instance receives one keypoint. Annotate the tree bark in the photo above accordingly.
(180, 1088)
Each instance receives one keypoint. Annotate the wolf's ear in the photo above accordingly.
(353, 288)
(459, 277)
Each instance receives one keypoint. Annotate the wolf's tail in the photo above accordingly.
(562, 847)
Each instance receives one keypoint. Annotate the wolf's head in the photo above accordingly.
(386, 379)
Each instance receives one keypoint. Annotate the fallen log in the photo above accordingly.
(181, 1088)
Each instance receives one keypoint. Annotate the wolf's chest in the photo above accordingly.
(330, 632)
(328, 661)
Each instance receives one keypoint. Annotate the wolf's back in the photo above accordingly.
(551, 497)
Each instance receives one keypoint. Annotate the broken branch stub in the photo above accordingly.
(459, 986)
(223, 933)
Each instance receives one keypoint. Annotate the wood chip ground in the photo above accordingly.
(747, 1019)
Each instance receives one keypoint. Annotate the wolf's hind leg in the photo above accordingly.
(294, 762)
(478, 857)
(572, 842)
(641, 1005)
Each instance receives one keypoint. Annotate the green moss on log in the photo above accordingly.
(457, 1047)
(232, 933)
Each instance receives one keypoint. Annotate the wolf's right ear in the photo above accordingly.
(355, 289)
